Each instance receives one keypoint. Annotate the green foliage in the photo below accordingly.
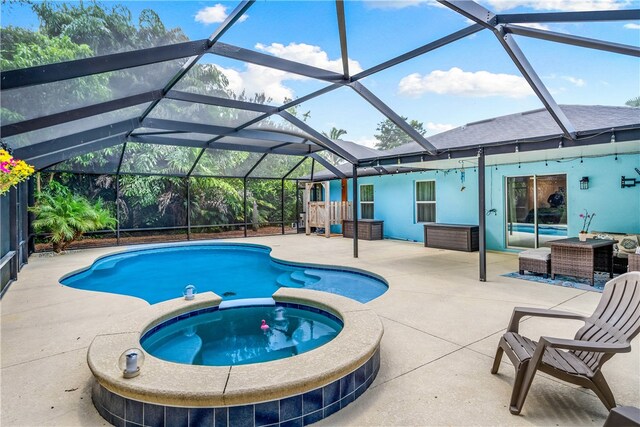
(67, 216)
(334, 134)
(104, 29)
(633, 102)
(391, 136)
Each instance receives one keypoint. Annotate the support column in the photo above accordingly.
(13, 233)
(188, 184)
(297, 218)
(355, 211)
(482, 217)
(282, 204)
(118, 209)
(31, 216)
(244, 204)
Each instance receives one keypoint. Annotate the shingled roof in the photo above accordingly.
(534, 125)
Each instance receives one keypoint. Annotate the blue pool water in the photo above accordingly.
(233, 336)
(546, 230)
(233, 271)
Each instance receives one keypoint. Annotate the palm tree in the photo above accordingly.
(67, 216)
(633, 102)
(334, 134)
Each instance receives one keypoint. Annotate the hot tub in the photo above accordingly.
(298, 389)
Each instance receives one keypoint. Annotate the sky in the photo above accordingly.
(470, 80)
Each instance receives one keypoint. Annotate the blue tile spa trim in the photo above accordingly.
(298, 410)
(206, 310)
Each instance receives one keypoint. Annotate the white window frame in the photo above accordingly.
(417, 202)
(367, 202)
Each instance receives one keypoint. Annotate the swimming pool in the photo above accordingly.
(546, 230)
(233, 271)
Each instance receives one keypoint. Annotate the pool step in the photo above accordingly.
(180, 349)
(285, 280)
(297, 279)
(305, 277)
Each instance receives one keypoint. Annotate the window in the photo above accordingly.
(366, 201)
(425, 201)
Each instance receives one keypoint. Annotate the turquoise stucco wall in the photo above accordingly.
(617, 209)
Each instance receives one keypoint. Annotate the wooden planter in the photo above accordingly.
(457, 237)
(368, 229)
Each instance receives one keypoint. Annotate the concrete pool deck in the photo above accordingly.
(441, 329)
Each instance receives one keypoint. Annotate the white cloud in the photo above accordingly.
(435, 128)
(215, 15)
(574, 80)
(632, 26)
(257, 79)
(308, 54)
(560, 5)
(398, 4)
(464, 83)
(535, 26)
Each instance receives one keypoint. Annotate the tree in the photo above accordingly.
(391, 136)
(67, 216)
(334, 134)
(633, 102)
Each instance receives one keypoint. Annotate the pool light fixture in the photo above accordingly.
(130, 362)
(189, 292)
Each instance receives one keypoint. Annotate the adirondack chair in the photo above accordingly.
(607, 331)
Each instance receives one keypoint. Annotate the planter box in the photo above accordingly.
(457, 237)
(368, 229)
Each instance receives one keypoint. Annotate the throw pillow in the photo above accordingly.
(628, 244)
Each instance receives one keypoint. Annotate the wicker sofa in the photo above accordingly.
(627, 244)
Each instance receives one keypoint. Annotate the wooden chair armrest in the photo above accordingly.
(578, 345)
(520, 312)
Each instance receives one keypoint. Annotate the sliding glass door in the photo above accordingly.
(536, 207)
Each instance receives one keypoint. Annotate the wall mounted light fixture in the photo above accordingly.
(584, 183)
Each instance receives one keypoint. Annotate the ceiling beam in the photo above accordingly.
(49, 73)
(319, 138)
(572, 40)
(342, 31)
(51, 158)
(393, 116)
(587, 16)
(443, 41)
(69, 141)
(222, 131)
(486, 18)
(78, 113)
(220, 102)
(331, 168)
(274, 62)
(215, 36)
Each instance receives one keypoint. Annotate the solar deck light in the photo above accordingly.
(130, 362)
(189, 292)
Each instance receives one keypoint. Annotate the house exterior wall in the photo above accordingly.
(617, 209)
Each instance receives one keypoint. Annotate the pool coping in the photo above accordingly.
(167, 383)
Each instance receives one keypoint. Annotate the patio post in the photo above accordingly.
(188, 184)
(244, 204)
(355, 211)
(482, 237)
(297, 218)
(31, 217)
(118, 209)
(13, 233)
(282, 203)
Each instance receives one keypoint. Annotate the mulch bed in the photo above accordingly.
(98, 242)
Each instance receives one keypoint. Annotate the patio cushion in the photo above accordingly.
(542, 254)
(628, 244)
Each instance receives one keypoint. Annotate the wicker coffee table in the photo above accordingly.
(571, 257)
